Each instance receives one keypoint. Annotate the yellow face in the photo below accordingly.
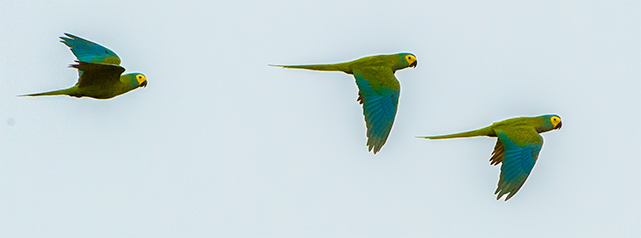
(555, 121)
(411, 60)
(141, 78)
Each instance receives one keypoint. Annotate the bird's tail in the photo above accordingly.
(52, 93)
(487, 131)
(344, 67)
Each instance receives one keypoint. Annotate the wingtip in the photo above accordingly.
(69, 38)
(500, 195)
(509, 196)
(70, 35)
(75, 66)
(376, 148)
(66, 38)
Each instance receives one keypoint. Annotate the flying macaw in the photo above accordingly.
(517, 147)
(99, 72)
(378, 90)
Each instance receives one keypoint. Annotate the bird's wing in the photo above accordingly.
(379, 91)
(96, 74)
(518, 150)
(87, 51)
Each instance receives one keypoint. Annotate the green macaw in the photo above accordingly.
(378, 90)
(99, 72)
(517, 147)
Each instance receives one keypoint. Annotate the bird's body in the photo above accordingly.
(99, 72)
(379, 90)
(517, 147)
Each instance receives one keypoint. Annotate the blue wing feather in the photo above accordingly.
(518, 161)
(379, 109)
(87, 51)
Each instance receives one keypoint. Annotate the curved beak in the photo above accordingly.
(143, 84)
(413, 64)
(558, 126)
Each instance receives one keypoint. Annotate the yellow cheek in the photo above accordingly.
(141, 79)
(555, 121)
(410, 60)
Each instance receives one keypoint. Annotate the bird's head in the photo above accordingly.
(410, 59)
(550, 122)
(140, 79)
(556, 122)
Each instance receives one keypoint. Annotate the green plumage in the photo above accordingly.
(100, 75)
(517, 148)
(379, 90)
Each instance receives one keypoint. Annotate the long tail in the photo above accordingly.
(344, 67)
(487, 131)
(52, 93)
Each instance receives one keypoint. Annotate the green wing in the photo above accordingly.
(517, 149)
(379, 91)
(98, 74)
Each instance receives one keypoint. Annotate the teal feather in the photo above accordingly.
(379, 109)
(90, 52)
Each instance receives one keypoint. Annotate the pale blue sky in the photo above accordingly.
(221, 145)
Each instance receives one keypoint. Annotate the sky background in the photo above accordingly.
(221, 145)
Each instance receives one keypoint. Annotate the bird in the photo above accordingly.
(378, 90)
(99, 72)
(517, 148)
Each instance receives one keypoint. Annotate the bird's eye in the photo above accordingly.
(141, 78)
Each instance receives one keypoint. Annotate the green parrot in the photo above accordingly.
(378, 90)
(517, 147)
(99, 72)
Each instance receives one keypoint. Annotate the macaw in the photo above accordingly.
(99, 72)
(378, 90)
(517, 148)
